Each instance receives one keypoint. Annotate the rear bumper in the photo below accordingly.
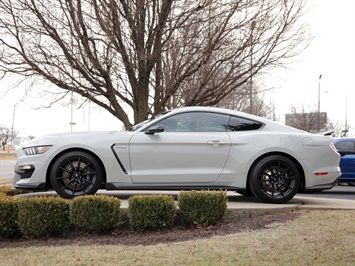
(321, 187)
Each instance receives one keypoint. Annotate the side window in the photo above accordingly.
(242, 124)
(195, 122)
(345, 146)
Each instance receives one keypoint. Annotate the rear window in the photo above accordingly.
(345, 146)
(243, 124)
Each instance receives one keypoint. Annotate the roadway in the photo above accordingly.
(6, 170)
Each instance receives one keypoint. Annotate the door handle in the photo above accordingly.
(216, 142)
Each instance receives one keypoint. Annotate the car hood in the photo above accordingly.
(74, 137)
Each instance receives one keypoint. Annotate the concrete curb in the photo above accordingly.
(238, 204)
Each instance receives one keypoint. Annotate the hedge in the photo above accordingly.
(202, 207)
(43, 216)
(151, 212)
(8, 216)
(96, 213)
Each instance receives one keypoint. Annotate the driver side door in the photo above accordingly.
(192, 148)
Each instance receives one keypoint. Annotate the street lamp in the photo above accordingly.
(71, 113)
(251, 68)
(12, 128)
(346, 116)
(318, 119)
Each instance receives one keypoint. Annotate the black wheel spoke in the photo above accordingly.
(86, 166)
(64, 169)
(71, 164)
(278, 166)
(286, 170)
(62, 177)
(79, 160)
(87, 181)
(82, 187)
(89, 173)
(69, 183)
(74, 189)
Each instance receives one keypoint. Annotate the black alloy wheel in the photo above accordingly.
(274, 179)
(76, 173)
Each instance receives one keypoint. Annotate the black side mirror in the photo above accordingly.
(154, 129)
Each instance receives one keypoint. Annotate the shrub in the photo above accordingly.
(151, 212)
(9, 191)
(96, 213)
(43, 216)
(202, 207)
(8, 216)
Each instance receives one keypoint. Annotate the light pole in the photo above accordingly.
(318, 118)
(251, 68)
(71, 113)
(346, 116)
(12, 128)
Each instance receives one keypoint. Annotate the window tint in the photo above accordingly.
(195, 122)
(345, 146)
(139, 125)
(242, 124)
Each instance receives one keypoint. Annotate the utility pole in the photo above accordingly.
(251, 68)
(318, 118)
(12, 128)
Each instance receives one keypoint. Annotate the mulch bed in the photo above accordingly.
(232, 223)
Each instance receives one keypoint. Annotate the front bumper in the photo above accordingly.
(24, 185)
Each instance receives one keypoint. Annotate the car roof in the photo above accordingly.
(338, 139)
(269, 123)
(219, 110)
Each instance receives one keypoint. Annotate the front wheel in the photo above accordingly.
(274, 179)
(76, 173)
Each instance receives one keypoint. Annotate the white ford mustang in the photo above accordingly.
(186, 148)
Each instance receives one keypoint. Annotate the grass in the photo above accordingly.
(5, 181)
(317, 237)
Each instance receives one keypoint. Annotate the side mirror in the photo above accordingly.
(154, 129)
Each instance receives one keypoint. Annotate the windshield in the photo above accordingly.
(139, 125)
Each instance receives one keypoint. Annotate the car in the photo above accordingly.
(183, 149)
(346, 147)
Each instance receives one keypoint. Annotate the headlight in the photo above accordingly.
(36, 150)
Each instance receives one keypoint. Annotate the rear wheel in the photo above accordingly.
(76, 173)
(274, 179)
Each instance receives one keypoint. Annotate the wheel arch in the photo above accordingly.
(288, 156)
(48, 182)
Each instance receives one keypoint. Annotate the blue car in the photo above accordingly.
(346, 148)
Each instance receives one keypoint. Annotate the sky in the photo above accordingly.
(331, 54)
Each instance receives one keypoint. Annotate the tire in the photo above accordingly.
(246, 193)
(75, 174)
(274, 179)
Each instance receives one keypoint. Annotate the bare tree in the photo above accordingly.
(148, 56)
(240, 100)
(340, 129)
(7, 135)
(306, 120)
